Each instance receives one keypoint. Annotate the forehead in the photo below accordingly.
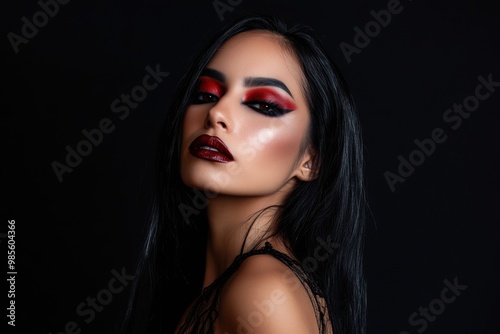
(258, 54)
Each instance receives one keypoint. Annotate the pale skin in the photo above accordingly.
(270, 155)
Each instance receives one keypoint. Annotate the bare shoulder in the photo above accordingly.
(265, 296)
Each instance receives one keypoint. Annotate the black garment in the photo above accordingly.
(202, 315)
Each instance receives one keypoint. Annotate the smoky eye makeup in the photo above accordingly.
(268, 102)
(264, 100)
(208, 90)
(210, 85)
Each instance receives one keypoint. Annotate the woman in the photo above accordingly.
(258, 223)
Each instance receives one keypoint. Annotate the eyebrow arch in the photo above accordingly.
(210, 72)
(249, 81)
(260, 81)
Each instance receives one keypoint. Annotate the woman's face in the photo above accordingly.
(244, 133)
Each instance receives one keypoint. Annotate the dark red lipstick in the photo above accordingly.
(210, 148)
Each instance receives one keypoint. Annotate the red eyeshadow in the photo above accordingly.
(211, 86)
(265, 94)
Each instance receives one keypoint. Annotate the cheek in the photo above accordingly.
(190, 118)
(272, 146)
(193, 119)
(283, 148)
(189, 128)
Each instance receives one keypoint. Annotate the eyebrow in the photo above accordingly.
(249, 81)
(210, 72)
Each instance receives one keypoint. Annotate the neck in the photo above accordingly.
(230, 218)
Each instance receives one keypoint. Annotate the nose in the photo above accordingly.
(218, 116)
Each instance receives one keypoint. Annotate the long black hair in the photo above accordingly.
(328, 210)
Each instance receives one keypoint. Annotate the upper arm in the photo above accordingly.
(264, 296)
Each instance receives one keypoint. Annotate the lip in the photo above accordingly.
(210, 148)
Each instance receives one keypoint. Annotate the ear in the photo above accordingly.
(305, 169)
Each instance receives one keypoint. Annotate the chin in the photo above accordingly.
(201, 180)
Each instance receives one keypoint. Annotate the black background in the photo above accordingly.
(441, 223)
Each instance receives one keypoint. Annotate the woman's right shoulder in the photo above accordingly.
(265, 293)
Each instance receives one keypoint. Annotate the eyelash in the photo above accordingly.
(276, 110)
(196, 97)
(273, 109)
